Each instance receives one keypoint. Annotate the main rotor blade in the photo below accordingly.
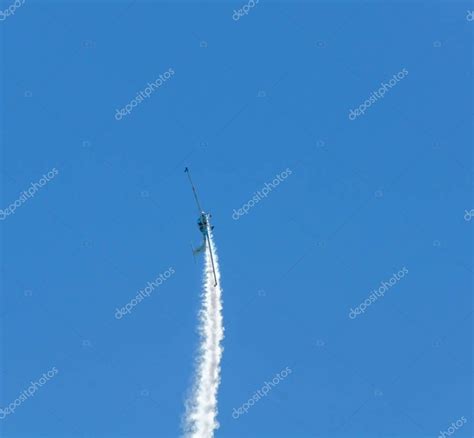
(194, 190)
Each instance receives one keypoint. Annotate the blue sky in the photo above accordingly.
(248, 99)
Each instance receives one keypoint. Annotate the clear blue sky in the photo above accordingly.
(248, 99)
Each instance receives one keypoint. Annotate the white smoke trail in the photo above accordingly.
(201, 409)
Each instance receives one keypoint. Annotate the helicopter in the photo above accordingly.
(205, 228)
